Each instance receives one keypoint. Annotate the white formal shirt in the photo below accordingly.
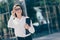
(18, 25)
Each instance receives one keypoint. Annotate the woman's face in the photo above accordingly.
(18, 10)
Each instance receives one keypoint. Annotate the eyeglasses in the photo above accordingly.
(18, 9)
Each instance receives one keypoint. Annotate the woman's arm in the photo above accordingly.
(10, 22)
(31, 29)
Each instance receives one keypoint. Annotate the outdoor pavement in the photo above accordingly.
(54, 36)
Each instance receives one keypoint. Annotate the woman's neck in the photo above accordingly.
(19, 16)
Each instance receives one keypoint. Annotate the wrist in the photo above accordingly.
(28, 27)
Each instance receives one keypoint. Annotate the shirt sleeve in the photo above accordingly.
(31, 29)
(10, 22)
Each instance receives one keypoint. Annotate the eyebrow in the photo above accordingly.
(17, 8)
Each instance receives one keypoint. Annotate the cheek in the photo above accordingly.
(19, 12)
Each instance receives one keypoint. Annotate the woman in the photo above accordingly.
(18, 22)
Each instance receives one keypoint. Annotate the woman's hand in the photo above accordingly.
(26, 26)
(13, 12)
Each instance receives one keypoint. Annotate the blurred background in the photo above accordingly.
(45, 15)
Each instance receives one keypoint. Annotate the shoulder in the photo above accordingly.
(25, 16)
(11, 16)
